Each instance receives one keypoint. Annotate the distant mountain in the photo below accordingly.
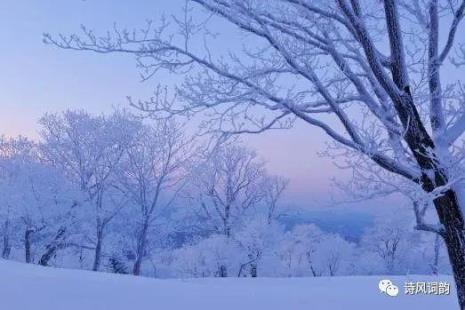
(348, 223)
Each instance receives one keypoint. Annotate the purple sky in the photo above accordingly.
(37, 78)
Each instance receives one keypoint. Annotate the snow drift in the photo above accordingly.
(30, 287)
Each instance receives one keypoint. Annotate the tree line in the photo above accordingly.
(120, 194)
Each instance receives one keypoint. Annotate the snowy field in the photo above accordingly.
(29, 287)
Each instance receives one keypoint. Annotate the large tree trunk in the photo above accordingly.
(434, 176)
(451, 217)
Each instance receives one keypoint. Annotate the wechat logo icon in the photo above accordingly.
(386, 287)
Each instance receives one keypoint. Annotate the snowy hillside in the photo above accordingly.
(29, 287)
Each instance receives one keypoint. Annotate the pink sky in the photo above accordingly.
(37, 78)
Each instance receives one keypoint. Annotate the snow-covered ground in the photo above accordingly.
(29, 287)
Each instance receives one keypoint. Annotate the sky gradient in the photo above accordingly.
(37, 78)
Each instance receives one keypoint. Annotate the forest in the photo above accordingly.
(120, 194)
(172, 183)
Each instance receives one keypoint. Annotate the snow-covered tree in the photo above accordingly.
(40, 202)
(88, 149)
(389, 239)
(231, 186)
(376, 68)
(258, 239)
(297, 250)
(396, 248)
(209, 257)
(151, 173)
(225, 187)
(336, 255)
(12, 153)
(308, 251)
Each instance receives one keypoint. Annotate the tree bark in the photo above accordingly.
(6, 240)
(451, 217)
(27, 245)
(437, 247)
(141, 244)
(253, 270)
(98, 249)
(434, 176)
(314, 273)
(223, 271)
(53, 247)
